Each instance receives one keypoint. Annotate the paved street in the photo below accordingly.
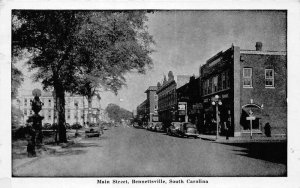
(126, 151)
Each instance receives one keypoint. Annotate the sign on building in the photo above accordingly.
(182, 108)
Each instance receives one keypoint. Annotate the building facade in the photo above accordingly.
(167, 98)
(76, 109)
(189, 94)
(248, 83)
(141, 111)
(152, 104)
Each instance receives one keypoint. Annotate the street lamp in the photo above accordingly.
(216, 102)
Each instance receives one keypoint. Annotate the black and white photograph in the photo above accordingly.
(151, 96)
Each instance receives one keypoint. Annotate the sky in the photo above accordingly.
(186, 39)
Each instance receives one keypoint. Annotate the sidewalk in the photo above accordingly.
(20, 158)
(244, 139)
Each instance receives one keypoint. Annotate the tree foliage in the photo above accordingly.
(16, 80)
(82, 51)
(109, 45)
(117, 113)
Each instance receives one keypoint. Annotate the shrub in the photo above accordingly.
(47, 126)
(19, 132)
(76, 126)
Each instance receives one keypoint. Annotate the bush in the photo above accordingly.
(76, 126)
(54, 126)
(93, 125)
(19, 133)
(47, 126)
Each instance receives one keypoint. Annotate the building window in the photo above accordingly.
(49, 114)
(25, 112)
(247, 77)
(155, 97)
(49, 102)
(30, 112)
(69, 114)
(25, 102)
(209, 86)
(223, 80)
(269, 77)
(215, 84)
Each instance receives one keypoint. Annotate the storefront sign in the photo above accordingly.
(182, 107)
(224, 96)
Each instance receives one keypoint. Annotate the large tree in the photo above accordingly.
(49, 37)
(82, 51)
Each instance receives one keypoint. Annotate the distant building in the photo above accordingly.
(249, 83)
(167, 97)
(76, 108)
(142, 111)
(152, 104)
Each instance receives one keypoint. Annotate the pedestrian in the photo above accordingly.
(267, 129)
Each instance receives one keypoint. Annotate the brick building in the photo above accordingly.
(190, 94)
(152, 104)
(167, 97)
(247, 82)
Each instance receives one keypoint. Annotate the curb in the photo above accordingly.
(244, 140)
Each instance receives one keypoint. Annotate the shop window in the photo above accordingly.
(269, 78)
(247, 77)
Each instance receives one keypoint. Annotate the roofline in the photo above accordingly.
(151, 89)
(263, 52)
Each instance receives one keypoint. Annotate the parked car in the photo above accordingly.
(92, 133)
(190, 130)
(183, 129)
(158, 126)
(173, 129)
(151, 126)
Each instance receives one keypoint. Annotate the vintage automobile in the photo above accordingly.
(150, 126)
(158, 126)
(174, 129)
(92, 133)
(183, 129)
(190, 130)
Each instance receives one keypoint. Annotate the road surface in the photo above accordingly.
(126, 151)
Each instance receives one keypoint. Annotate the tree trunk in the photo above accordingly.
(60, 94)
(89, 109)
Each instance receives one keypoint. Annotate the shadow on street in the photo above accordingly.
(83, 145)
(273, 152)
(69, 152)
